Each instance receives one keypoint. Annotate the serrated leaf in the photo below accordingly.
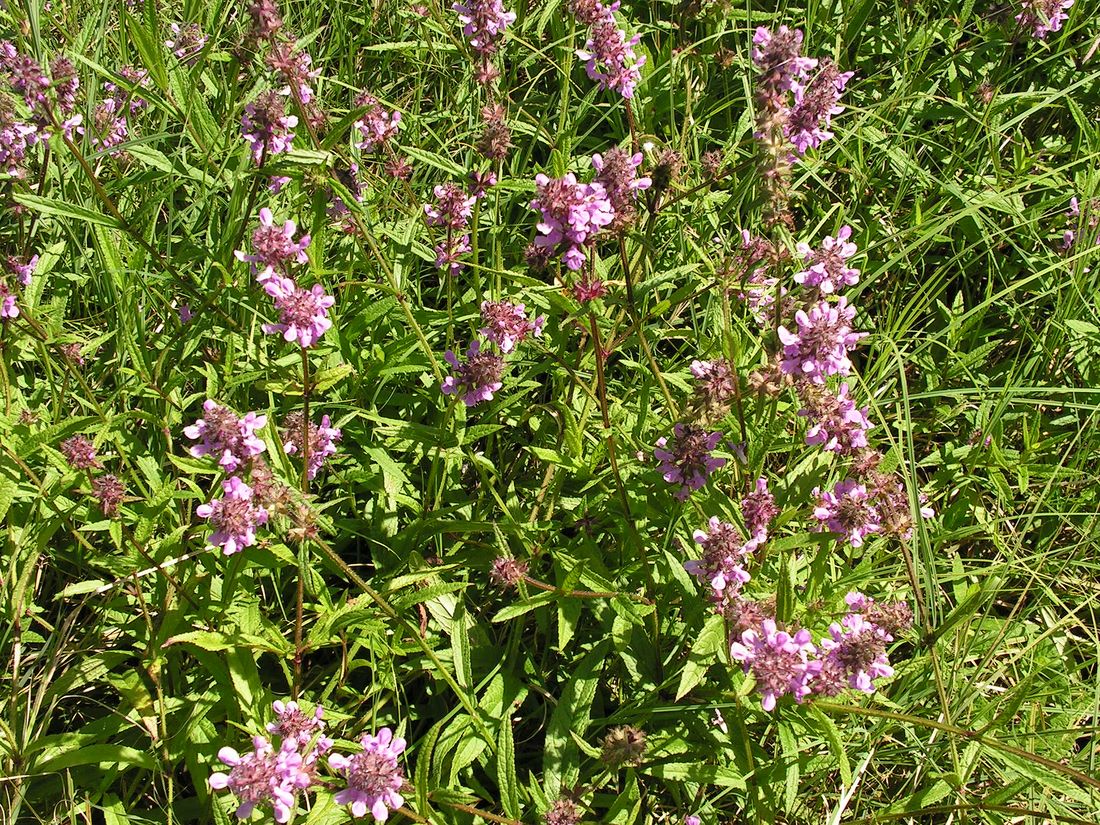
(701, 657)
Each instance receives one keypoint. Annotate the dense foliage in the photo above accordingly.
(550, 412)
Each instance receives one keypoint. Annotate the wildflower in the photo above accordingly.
(564, 811)
(322, 440)
(894, 618)
(482, 182)
(262, 777)
(779, 662)
(16, 138)
(295, 69)
(616, 171)
(723, 551)
(715, 383)
(25, 76)
(187, 41)
(609, 56)
(452, 207)
(234, 517)
(838, 425)
(506, 572)
(223, 434)
(374, 777)
(266, 19)
(688, 460)
(483, 23)
(1043, 16)
(293, 725)
(66, 83)
(713, 164)
(477, 378)
(779, 62)
(758, 509)
(496, 138)
(853, 655)
(21, 268)
(79, 452)
(72, 353)
(376, 126)
(623, 745)
(847, 510)
(108, 491)
(815, 104)
(303, 313)
(588, 289)
(827, 269)
(267, 127)
(506, 324)
(398, 168)
(267, 490)
(125, 98)
(891, 502)
(820, 347)
(274, 247)
(571, 213)
(448, 252)
(692, 819)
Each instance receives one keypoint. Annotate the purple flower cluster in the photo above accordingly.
(608, 53)
(821, 344)
(779, 62)
(815, 103)
(715, 384)
(275, 777)
(376, 126)
(617, 172)
(826, 268)
(477, 377)
(758, 509)
(321, 440)
(757, 289)
(80, 453)
(452, 209)
(226, 436)
(483, 23)
(853, 655)
(724, 551)
(1043, 16)
(294, 69)
(374, 776)
(572, 213)
(23, 270)
(838, 425)
(1073, 215)
(267, 127)
(687, 460)
(848, 509)
(25, 76)
(274, 247)
(506, 324)
(187, 42)
(234, 517)
(303, 313)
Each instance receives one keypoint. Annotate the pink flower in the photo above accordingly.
(820, 347)
(322, 440)
(294, 725)
(374, 776)
(721, 566)
(79, 452)
(827, 269)
(225, 435)
(688, 460)
(263, 777)
(838, 425)
(609, 56)
(778, 661)
(452, 207)
(274, 247)
(778, 59)
(475, 379)
(616, 171)
(187, 41)
(267, 127)
(815, 104)
(234, 517)
(853, 655)
(1043, 16)
(376, 126)
(571, 213)
(483, 23)
(758, 509)
(506, 324)
(847, 510)
(303, 313)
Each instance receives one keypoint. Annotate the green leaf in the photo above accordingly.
(506, 769)
(62, 209)
(561, 765)
(701, 657)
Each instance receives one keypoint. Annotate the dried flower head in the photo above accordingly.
(476, 378)
(623, 745)
(79, 452)
(108, 491)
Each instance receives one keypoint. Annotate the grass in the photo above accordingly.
(132, 653)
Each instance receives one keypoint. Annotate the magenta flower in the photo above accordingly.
(225, 435)
(267, 127)
(25, 76)
(758, 509)
(374, 776)
(234, 517)
(778, 661)
(21, 268)
(293, 725)
(322, 440)
(609, 56)
(263, 777)
(16, 138)
(376, 126)
(721, 567)
(476, 378)
(483, 23)
(617, 172)
(1043, 16)
(827, 267)
(820, 347)
(482, 182)
(839, 426)
(448, 253)
(688, 461)
(506, 324)
(66, 83)
(303, 313)
(108, 492)
(9, 307)
(295, 69)
(571, 213)
(187, 41)
(779, 61)
(715, 383)
(847, 510)
(853, 655)
(815, 104)
(452, 207)
(79, 452)
(274, 247)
